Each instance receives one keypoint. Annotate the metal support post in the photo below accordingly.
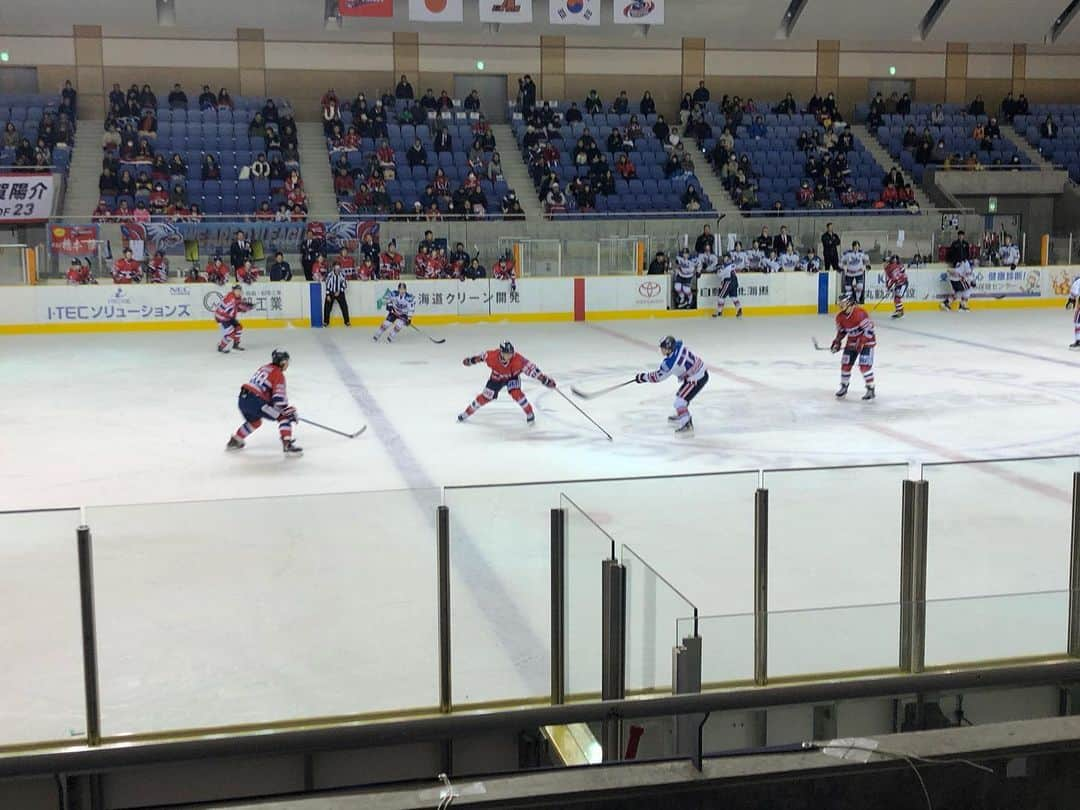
(89, 636)
(613, 664)
(443, 540)
(920, 514)
(1074, 571)
(558, 606)
(685, 680)
(907, 543)
(761, 586)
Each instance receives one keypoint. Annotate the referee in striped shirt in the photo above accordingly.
(334, 286)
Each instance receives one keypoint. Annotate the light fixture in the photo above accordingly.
(166, 13)
(892, 70)
(479, 64)
(5, 56)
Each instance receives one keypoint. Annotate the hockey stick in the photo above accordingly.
(582, 412)
(333, 430)
(819, 347)
(429, 337)
(592, 395)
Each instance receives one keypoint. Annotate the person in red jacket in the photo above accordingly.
(217, 272)
(347, 263)
(126, 270)
(79, 273)
(391, 263)
(506, 366)
(157, 269)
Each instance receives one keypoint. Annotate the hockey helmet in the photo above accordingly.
(506, 347)
(278, 356)
(667, 345)
(846, 300)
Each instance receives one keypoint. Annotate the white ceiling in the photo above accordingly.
(725, 23)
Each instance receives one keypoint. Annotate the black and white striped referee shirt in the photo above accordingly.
(336, 283)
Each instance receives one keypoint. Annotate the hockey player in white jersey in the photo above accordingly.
(811, 262)
(854, 264)
(738, 257)
(754, 259)
(707, 261)
(1008, 253)
(1074, 294)
(789, 260)
(728, 282)
(691, 373)
(961, 279)
(770, 264)
(686, 270)
(400, 307)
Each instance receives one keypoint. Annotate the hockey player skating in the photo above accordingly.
(728, 280)
(686, 269)
(896, 282)
(855, 325)
(264, 397)
(227, 315)
(691, 373)
(1074, 294)
(400, 307)
(854, 264)
(961, 279)
(506, 366)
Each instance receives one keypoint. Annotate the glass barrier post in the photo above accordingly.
(907, 548)
(1074, 571)
(920, 511)
(613, 665)
(686, 679)
(761, 585)
(442, 514)
(89, 636)
(558, 606)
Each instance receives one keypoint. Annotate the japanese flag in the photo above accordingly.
(574, 12)
(639, 12)
(436, 10)
(506, 11)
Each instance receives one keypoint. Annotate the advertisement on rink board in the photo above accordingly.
(762, 289)
(465, 298)
(26, 197)
(135, 303)
(990, 282)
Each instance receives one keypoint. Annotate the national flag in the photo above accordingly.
(366, 8)
(574, 12)
(639, 12)
(436, 10)
(506, 11)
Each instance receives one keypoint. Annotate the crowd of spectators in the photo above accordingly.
(139, 182)
(31, 144)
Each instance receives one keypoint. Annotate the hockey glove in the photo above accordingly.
(642, 377)
(545, 380)
(470, 361)
(288, 414)
(835, 346)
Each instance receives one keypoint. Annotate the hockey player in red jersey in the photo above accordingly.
(217, 272)
(855, 325)
(896, 281)
(157, 269)
(504, 268)
(227, 314)
(79, 273)
(126, 270)
(264, 397)
(391, 263)
(506, 366)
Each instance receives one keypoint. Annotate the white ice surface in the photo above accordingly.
(310, 602)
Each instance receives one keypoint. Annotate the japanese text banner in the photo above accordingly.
(26, 197)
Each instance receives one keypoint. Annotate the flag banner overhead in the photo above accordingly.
(639, 12)
(506, 11)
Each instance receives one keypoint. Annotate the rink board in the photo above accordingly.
(108, 307)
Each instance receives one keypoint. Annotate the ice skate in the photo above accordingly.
(223, 349)
(718, 314)
(235, 444)
(673, 418)
(841, 392)
(1075, 344)
(869, 393)
(461, 417)
(530, 420)
(738, 312)
(896, 315)
(237, 347)
(965, 308)
(945, 305)
(687, 428)
(291, 448)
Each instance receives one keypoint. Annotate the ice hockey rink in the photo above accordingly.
(246, 587)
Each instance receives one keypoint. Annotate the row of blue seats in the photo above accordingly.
(240, 103)
(798, 158)
(871, 185)
(190, 130)
(662, 184)
(61, 157)
(408, 188)
(209, 204)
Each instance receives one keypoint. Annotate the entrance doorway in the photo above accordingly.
(492, 90)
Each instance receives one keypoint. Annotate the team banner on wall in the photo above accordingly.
(25, 197)
(366, 8)
(639, 12)
(506, 11)
(73, 240)
(574, 12)
(176, 238)
(436, 10)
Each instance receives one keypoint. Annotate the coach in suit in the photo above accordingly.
(830, 248)
(239, 252)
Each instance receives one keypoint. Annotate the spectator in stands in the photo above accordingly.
(971, 162)
(68, 94)
(993, 129)
(11, 136)
(260, 167)
(178, 196)
(472, 102)
(1049, 128)
(224, 100)
(660, 129)
(977, 107)
(177, 98)
(264, 213)
(757, 129)
(177, 167)
(939, 153)
(403, 89)
(787, 106)
(143, 185)
(621, 105)
(625, 167)
(443, 142)
(1008, 107)
(828, 105)
(210, 168)
(494, 169)
(429, 102)
(159, 169)
(748, 199)
(511, 206)
(555, 201)
(125, 184)
(701, 94)
(416, 155)
(691, 200)
(107, 184)
(147, 99)
(526, 93)
(444, 102)
(937, 117)
(270, 111)
(257, 127)
(271, 138)
(123, 212)
(647, 106)
(911, 138)
(207, 99)
(890, 198)
(1022, 106)
(116, 96)
(903, 105)
(148, 124)
(805, 195)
